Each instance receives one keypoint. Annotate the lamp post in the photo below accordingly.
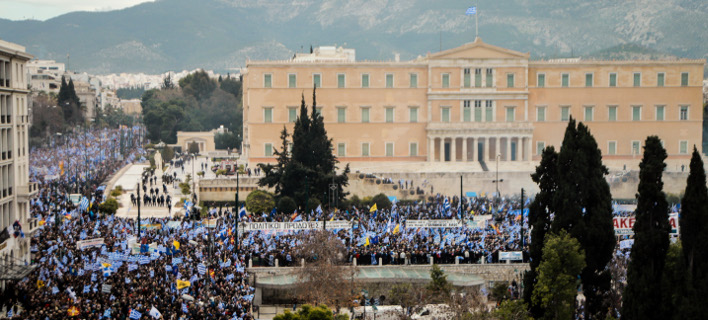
(497, 180)
(138, 209)
(236, 212)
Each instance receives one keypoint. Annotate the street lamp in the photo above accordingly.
(497, 180)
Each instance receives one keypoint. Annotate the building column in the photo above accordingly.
(508, 149)
(498, 147)
(522, 149)
(487, 142)
(475, 140)
(464, 149)
(431, 149)
(442, 149)
(529, 149)
(453, 149)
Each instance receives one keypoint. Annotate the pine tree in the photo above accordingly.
(693, 222)
(540, 222)
(583, 207)
(274, 173)
(643, 298)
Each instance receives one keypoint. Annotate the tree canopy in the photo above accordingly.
(308, 312)
(309, 167)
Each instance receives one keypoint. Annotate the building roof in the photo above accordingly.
(480, 50)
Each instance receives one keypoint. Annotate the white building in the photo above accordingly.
(15, 187)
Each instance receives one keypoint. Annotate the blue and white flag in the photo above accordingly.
(471, 11)
(55, 290)
(132, 267)
(176, 261)
(9, 313)
(201, 268)
(155, 313)
(184, 308)
(144, 260)
(87, 289)
(83, 205)
(134, 314)
(107, 313)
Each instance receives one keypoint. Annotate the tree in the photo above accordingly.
(198, 85)
(694, 241)
(382, 201)
(308, 312)
(193, 148)
(69, 102)
(311, 166)
(167, 82)
(227, 140)
(167, 154)
(286, 205)
(438, 287)
(555, 291)
(324, 278)
(274, 173)
(231, 86)
(644, 298)
(546, 176)
(110, 206)
(259, 201)
(583, 206)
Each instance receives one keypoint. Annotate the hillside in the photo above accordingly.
(221, 34)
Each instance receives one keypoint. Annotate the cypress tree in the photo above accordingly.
(693, 222)
(583, 207)
(540, 222)
(644, 297)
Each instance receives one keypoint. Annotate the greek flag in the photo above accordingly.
(176, 261)
(87, 289)
(9, 313)
(471, 11)
(107, 314)
(134, 314)
(446, 205)
(184, 308)
(83, 205)
(242, 212)
(201, 268)
(144, 260)
(132, 267)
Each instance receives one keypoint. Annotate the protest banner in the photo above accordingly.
(448, 223)
(106, 288)
(299, 225)
(624, 225)
(82, 244)
(510, 255)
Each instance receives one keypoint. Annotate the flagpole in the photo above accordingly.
(476, 22)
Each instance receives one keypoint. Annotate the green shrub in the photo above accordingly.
(259, 201)
(184, 187)
(117, 191)
(312, 204)
(381, 201)
(286, 205)
(109, 207)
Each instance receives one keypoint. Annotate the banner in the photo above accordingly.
(624, 225)
(287, 226)
(97, 242)
(626, 244)
(449, 223)
(510, 255)
(106, 288)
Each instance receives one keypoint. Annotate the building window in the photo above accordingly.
(489, 110)
(340, 80)
(588, 114)
(540, 145)
(341, 114)
(413, 114)
(466, 77)
(467, 110)
(510, 114)
(490, 78)
(660, 79)
(317, 80)
(267, 80)
(292, 114)
(509, 80)
(635, 147)
(612, 148)
(341, 149)
(389, 114)
(683, 113)
(612, 113)
(613, 79)
(478, 77)
(637, 79)
(588, 79)
(445, 114)
(540, 114)
(389, 80)
(365, 149)
(565, 80)
(413, 149)
(684, 79)
(365, 114)
(565, 113)
(365, 80)
(683, 147)
(414, 80)
(478, 111)
(445, 80)
(292, 80)
(660, 113)
(268, 150)
(268, 115)
(541, 80)
(636, 113)
(389, 149)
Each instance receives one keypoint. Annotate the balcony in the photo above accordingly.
(472, 128)
(26, 192)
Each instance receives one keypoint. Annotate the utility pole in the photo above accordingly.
(522, 220)
(139, 210)
(236, 209)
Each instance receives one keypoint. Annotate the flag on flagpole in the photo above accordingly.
(134, 314)
(155, 313)
(183, 284)
(397, 229)
(373, 208)
(471, 11)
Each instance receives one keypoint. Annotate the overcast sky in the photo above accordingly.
(46, 9)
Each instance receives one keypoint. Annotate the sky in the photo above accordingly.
(46, 9)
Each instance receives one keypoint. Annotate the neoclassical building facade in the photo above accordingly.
(475, 102)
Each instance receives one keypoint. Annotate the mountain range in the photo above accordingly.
(164, 35)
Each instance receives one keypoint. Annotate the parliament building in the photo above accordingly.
(476, 102)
